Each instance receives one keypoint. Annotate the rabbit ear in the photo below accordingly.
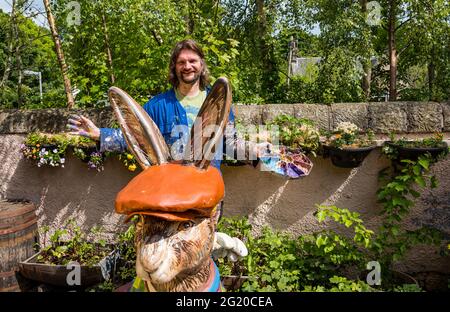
(140, 132)
(213, 115)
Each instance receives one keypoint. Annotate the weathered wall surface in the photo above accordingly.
(88, 196)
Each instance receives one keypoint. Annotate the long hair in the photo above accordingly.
(188, 44)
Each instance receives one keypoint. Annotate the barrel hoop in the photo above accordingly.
(25, 219)
(18, 241)
(17, 212)
(7, 274)
(16, 287)
(19, 227)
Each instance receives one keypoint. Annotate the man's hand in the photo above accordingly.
(80, 125)
(226, 246)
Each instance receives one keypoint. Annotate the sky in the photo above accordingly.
(41, 19)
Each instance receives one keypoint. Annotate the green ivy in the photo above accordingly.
(396, 196)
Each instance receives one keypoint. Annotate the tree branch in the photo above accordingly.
(402, 24)
(404, 48)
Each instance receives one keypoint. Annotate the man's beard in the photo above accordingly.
(191, 80)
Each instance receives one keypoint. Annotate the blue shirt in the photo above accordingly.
(167, 113)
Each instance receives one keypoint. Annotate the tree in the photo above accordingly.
(60, 55)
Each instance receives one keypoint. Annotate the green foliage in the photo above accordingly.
(298, 133)
(247, 41)
(70, 243)
(437, 140)
(279, 262)
(341, 284)
(348, 135)
(408, 288)
(396, 196)
(126, 268)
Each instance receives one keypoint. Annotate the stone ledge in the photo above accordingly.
(48, 120)
(381, 117)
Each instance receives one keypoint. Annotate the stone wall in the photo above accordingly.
(288, 205)
(381, 117)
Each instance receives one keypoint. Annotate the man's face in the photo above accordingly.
(188, 67)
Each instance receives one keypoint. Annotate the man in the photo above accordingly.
(179, 106)
(189, 77)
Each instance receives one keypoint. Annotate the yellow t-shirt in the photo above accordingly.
(191, 104)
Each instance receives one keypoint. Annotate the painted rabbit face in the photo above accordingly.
(170, 250)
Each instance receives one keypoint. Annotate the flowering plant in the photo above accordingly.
(53, 157)
(128, 160)
(298, 133)
(96, 160)
(348, 135)
(45, 149)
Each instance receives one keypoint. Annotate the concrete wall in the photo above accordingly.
(75, 191)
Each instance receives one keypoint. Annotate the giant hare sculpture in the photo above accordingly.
(176, 201)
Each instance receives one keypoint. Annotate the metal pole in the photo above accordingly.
(289, 61)
(40, 86)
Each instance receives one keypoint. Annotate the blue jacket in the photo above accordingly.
(167, 112)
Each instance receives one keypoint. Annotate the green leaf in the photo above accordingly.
(420, 180)
(424, 163)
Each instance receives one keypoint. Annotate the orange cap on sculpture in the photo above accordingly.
(173, 192)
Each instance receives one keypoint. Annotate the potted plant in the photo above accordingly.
(128, 160)
(298, 133)
(45, 149)
(413, 149)
(67, 248)
(83, 147)
(348, 146)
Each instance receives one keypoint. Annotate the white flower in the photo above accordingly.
(55, 151)
(347, 127)
(63, 160)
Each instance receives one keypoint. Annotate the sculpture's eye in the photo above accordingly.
(185, 225)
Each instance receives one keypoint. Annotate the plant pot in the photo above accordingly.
(233, 282)
(413, 153)
(348, 157)
(231, 163)
(56, 275)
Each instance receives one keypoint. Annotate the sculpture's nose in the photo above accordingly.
(153, 252)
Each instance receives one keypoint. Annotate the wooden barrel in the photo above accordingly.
(18, 236)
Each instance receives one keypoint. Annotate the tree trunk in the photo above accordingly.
(20, 78)
(60, 55)
(8, 61)
(108, 50)
(392, 51)
(367, 65)
(189, 18)
(431, 75)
